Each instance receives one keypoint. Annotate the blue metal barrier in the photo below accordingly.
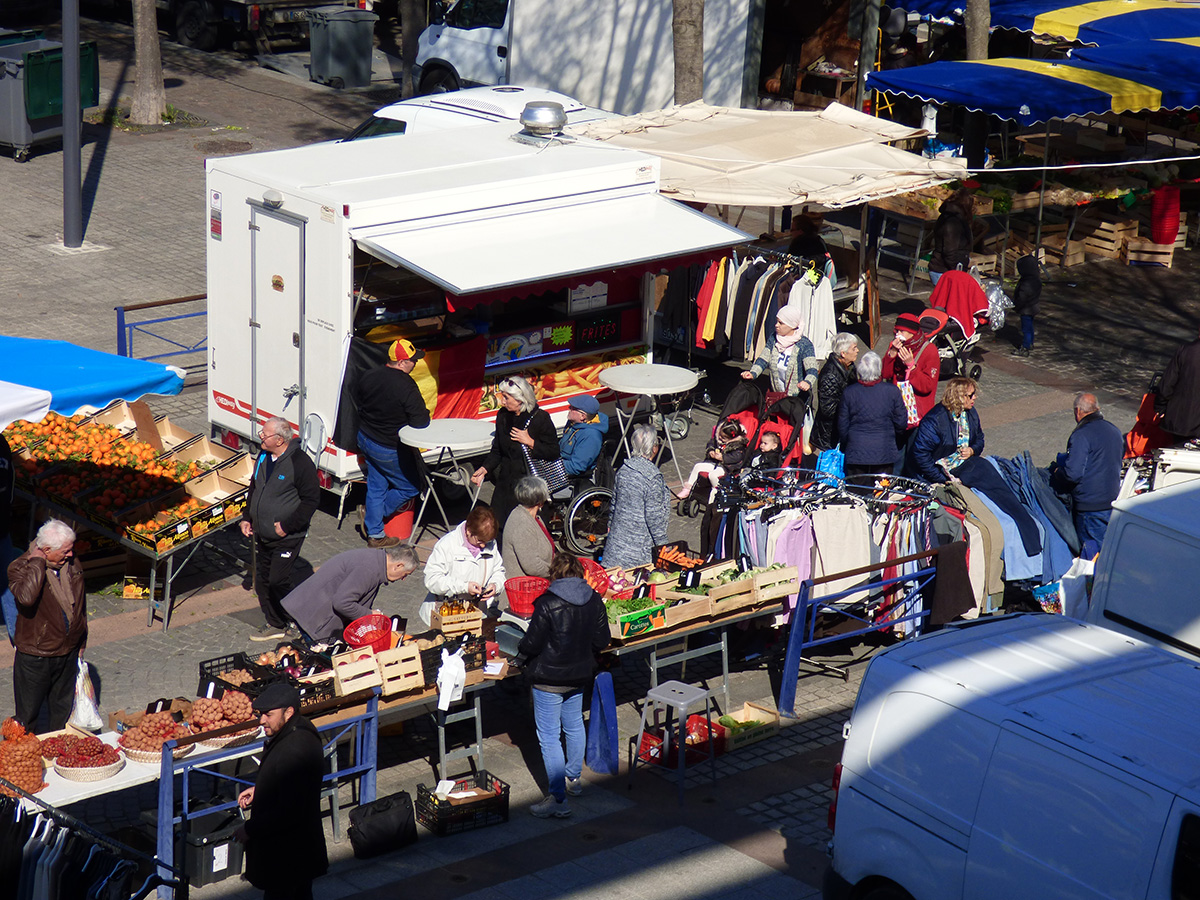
(126, 329)
(363, 730)
(802, 635)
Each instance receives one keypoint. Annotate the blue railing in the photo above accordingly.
(126, 329)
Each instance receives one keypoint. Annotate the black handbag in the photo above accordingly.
(382, 825)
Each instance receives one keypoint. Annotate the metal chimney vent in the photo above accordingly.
(543, 117)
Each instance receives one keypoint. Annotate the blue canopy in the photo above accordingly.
(1099, 22)
(76, 376)
(1142, 75)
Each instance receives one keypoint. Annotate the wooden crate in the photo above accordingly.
(1103, 236)
(752, 712)
(355, 670)
(1141, 250)
(907, 234)
(776, 583)
(470, 622)
(1027, 229)
(695, 607)
(908, 205)
(1026, 200)
(984, 262)
(400, 669)
(1059, 253)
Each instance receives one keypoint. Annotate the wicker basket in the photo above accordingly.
(155, 756)
(91, 773)
(237, 739)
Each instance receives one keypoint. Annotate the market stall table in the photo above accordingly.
(648, 380)
(447, 436)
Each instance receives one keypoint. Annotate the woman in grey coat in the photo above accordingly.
(528, 547)
(640, 507)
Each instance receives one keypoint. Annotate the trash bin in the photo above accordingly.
(341, 41)
(31, 98)
(209, 853)
(9, 36)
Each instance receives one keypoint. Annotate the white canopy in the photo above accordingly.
(833, 158)
(20, 402)
(485, 254)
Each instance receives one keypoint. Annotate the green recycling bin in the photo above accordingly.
(9, 36)
(31, 100)
(341, 41)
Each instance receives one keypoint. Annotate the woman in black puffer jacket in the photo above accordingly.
(569, 627)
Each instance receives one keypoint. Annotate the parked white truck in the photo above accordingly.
(606, 53)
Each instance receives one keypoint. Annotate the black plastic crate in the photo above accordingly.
(443, 817)
(211, 671)
(473, 655)
(306, 657)
(314, 692)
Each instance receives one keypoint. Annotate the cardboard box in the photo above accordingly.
(171, 435)
(752, 712)
(639, 622)
(204, 451)
(226, 499)
(138, 588)
(118, 415)
(240, 469)
(122, 719)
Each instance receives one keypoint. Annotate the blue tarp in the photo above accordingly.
(1143, 75)
(76, 376)
(1102, 22)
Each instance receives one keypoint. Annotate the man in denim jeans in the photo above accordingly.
(387, 399)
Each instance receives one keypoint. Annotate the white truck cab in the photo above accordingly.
(1026, 756)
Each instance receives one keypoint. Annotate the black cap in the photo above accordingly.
(277, 696)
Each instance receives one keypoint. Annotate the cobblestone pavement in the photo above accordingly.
(759, 832)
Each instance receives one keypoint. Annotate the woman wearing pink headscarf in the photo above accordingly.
(788, 357)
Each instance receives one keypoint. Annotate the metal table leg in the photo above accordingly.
(671, 444)
(625, 421)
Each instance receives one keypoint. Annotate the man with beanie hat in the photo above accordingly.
(583, 438)
(284, 840)
(387, 399)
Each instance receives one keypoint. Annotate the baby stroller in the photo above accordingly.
(744, 405)
(786, 419)
(959, 298)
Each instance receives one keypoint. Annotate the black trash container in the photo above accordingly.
(341, 40)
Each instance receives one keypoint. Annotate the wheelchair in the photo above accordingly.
(577, 516)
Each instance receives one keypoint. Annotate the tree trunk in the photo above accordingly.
(149, 94)
(687, 31)
(978, 19)
(413, 21)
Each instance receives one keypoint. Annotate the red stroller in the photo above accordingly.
(962, 301)
(743, 406)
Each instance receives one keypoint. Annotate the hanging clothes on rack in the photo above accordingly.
(816, 301)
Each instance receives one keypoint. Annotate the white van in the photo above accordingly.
(1025, 756)
(1148, 571)
(464, 109)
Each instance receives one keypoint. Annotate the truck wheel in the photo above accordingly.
(438, 81)
(887, 892)
(192, 28)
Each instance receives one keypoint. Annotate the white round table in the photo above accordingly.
(647, 380)
(446, 436)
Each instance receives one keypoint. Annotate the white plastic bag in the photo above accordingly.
(1073, 588)
(85, 714)
(451, 679)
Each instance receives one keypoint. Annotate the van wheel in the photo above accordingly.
(192, 28)
(886, 892)
(438, 81)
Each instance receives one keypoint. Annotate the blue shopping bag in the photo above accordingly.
(603, 739)
(832, 464)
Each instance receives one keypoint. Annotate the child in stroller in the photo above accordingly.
(959, 298)
(727, 453)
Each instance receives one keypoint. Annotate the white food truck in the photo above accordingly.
(508, 252)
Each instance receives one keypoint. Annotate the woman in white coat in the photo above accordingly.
(465, 563)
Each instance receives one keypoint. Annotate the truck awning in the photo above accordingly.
(523, 248)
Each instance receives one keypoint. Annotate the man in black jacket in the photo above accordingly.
(284, 840)
(387, 399)
(568, 628)
(284, 494)
(1179, 393)
(1090, 471)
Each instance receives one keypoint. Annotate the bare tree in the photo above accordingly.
(977, 19)
(687, 31)
(149, 94)
(413, 19)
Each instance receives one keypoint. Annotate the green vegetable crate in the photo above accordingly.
(757, 723)
(639, 622)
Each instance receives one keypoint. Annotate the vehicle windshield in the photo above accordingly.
(477, 14)
(376, 126)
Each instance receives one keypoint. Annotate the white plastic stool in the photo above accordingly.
(678, 699)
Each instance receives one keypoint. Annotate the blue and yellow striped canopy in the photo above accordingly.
(1098, 22)
(1138, 75)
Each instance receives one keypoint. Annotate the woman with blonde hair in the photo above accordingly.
(520, 426)
(949, 434)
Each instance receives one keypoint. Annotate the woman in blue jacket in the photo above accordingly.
(870, 418)
(949, 434)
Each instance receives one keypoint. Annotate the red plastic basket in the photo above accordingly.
(373, 630)
(521, 593)
(596, 576)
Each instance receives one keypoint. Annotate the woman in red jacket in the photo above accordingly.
(912, 357)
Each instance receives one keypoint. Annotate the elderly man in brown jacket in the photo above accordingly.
(47, 582)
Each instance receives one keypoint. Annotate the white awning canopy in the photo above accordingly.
(523, 248)
(833, 158)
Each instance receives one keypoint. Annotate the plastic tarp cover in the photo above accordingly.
(20, 402)
(1144, 75)
(833, 158)
(1102, 22)
(78, 377)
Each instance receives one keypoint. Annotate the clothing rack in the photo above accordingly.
(795, 487)
(74, 824)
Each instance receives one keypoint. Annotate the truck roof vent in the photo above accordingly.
(543, 117)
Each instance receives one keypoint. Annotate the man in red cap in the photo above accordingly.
(387, 399)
